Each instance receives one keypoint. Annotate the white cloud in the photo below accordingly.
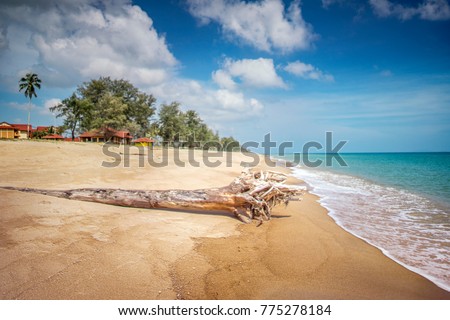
(428, 10)
(223, 79)
(48, 104)
(226, 103)
(258, 73)
(435, 10)
(215, 105)
(307, 71)
(68, 42)
(265, 24)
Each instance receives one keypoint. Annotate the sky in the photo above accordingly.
(375, 73)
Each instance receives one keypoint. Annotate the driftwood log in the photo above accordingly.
(250, 196)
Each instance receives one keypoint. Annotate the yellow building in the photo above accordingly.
(14, 131)
(8, 131)
(143, 142)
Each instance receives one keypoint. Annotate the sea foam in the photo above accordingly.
(408, 228)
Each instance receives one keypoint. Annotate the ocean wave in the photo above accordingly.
(408, 228)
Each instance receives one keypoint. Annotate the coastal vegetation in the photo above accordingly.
(118, 104)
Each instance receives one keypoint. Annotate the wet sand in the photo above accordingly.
(54, 248)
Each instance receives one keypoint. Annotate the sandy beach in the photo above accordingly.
(53, 248)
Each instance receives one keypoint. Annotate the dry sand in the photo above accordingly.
(54, 248)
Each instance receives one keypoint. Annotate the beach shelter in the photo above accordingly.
(143, 142)
(53, 137)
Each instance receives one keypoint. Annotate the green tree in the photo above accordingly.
(229, 143)
(110, 112)
(140, 110)
(94, 90)
(205, 136)
(29, 83)
(133, 128)
(193, 124)
(154, 129)
(75, 112)
(137, 107)
(171, 122)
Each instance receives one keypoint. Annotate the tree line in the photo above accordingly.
(117, 104)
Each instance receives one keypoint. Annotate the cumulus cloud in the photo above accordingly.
(258, 73)
(67, 42)
(48, 104)
(266, 25)
(307, 71)
(227, 102)
(70, 41)
(224, 79)
(427, 10)
(213, 104)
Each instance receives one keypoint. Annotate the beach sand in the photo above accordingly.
(53, 248)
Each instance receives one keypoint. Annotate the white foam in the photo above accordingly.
(406, 227)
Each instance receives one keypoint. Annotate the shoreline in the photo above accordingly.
(55, 248)
(384, 251)
(337, 213)
(233, 262)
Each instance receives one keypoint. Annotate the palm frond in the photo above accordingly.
(29, 83)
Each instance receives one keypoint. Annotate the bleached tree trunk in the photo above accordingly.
(250, 196)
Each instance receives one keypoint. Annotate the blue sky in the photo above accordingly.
(375, 72)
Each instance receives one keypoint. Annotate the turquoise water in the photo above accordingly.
(399, 202)
(424, 173)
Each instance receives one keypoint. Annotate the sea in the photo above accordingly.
(397, 202)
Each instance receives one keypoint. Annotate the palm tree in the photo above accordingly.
(29, 82)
